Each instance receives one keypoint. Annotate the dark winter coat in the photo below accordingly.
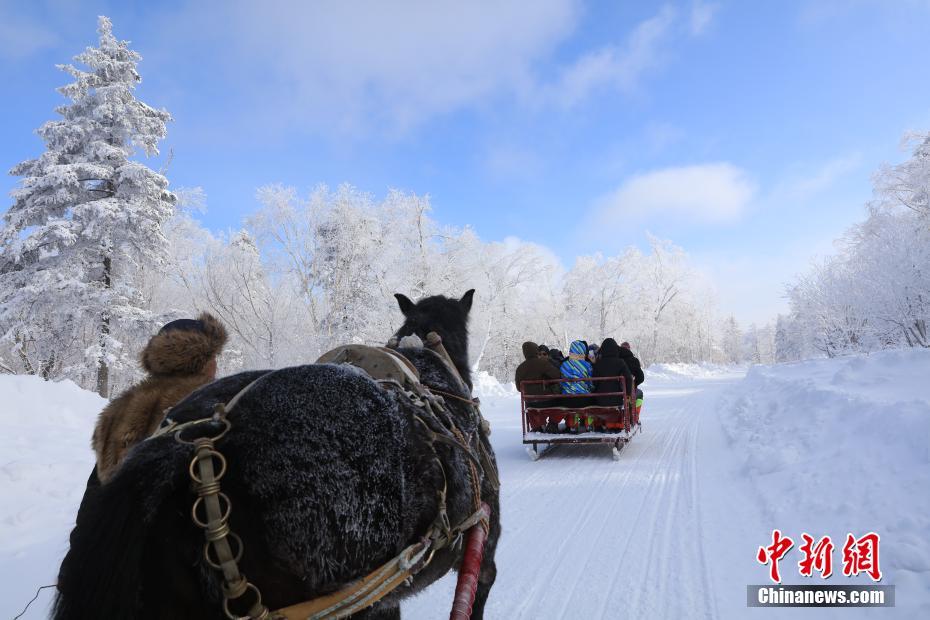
(632, 362)
(535, 368)
(176, 362)
(610, 364)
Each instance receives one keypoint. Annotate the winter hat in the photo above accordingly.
(544, 349)
(609, 348)
(530, 350)
(625, 345)
(578, 348)
(184, 347)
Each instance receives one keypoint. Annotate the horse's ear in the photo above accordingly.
(466, 300)
(404, 302)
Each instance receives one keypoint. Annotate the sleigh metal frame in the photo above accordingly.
(620, 422)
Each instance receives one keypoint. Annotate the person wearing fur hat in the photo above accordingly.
(180, 358)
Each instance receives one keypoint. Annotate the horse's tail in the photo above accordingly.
(102, 574)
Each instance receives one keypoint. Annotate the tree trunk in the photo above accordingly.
(103, 370)
(48, 366)
(484, 345)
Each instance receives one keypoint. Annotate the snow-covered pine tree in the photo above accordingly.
(84, 220)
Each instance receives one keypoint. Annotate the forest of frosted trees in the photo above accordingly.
(96, 253)
(874, 293)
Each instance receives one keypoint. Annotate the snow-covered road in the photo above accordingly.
(587, 537)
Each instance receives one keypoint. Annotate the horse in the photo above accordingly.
(329, 476)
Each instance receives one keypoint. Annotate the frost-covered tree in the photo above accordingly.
(789, 341)
(759, 344)
(731, 341)
(907, 184)
(664, 275)
(84, 221)
(874, 293)
(308, 274)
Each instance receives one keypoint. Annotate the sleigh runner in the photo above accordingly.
(549, 420)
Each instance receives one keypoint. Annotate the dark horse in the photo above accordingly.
(328, 476)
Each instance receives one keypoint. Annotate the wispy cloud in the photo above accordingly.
(702, 14)
(714, 192)
(617, 66)
(348, 67)
(817, 179)
(623, 66)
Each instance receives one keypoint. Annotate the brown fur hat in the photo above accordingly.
(177, 352)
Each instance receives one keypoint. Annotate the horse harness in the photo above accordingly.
(391, 370)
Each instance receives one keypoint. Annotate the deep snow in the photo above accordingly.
(668, 531)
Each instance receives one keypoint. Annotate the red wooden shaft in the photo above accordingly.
(468, 574)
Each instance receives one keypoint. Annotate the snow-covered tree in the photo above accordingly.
(308, 274)
(907, 184)
(85, 220)
(731, 341)
(789, 343)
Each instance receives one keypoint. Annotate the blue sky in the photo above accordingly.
(745, 132)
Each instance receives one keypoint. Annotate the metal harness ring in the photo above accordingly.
(236, 556)
(249, 587)
(199, 502)
(210, 452)
(215, 419)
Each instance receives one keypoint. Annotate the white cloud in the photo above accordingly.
(352, 69)
(347, 68)
(702, 14)
(353, 65)
(620, 67)
(709, 192)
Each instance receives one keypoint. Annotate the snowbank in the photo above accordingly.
(673, 372)
(842, 445)
(46, 458)
(486, 386)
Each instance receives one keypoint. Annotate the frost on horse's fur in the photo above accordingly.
(329, 477)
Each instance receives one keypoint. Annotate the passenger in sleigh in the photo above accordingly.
(610, 364)
(556, 357)
(632, 362)
(536, 368)
(576, 367)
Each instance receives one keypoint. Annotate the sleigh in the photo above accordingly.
(550, 420)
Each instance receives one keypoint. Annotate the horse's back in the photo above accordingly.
(320, 467)
(322, 477)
